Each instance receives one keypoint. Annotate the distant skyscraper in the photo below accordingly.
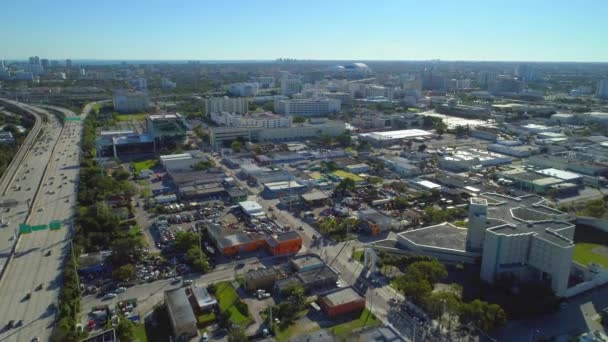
(68, 63)
(431, 81)
(525, 72)
(45, 63)
(487, 79)
(35, 60)
(290, 86)
(2, 66)
(602, 89)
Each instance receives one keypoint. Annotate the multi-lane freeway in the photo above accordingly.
(46, 179)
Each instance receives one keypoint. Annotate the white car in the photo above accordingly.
(120, 289)
(109, 296)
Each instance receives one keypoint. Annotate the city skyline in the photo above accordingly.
(340, 30)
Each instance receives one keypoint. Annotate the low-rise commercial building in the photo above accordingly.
(400, 166)
(343, 301)
(181, 316)
(465, 159)
(389, 138)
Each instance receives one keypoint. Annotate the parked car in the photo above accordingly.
(108, 296)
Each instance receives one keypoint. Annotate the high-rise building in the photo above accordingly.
(244, 89)
(525, 72)
(432, 81)
(125, 101)
(68, 63)
(45, 63)
(167, 84)
(487, 79)
(139, 83)
(35, 60)
(307, 107)
(262, 120)
(602, 89)
(239, 105)
(290, 86)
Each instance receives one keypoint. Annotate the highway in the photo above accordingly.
(48, 176)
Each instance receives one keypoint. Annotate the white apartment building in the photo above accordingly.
(307, 107)
(125, 101)
(244, 89)
(266, 81)
(238, 105)
(262, 120)
(290, 86)
(219, 135)
(167, 83)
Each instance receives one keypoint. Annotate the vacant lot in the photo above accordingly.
(365, 320)
(130, 117)
(144, 165)
(591, 245)
(228, 298)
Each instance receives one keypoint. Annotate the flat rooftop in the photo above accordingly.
(342, 296)
(399, 134)
(179, 305)
(305, 261)
(524, 215)
(311, 276)
(444, 235)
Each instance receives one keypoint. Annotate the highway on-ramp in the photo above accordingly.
(36, 268)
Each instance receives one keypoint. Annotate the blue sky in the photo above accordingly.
(532, 30)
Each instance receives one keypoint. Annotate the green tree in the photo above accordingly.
(483, 314)
(124, 273)
(186, 240)
(433, 271)
(236, 146)
(237, 334)
(594, 208)
(121, 175)
(440, 127)
(421, 147)
(345, 185)
(299, 119)
(124, 330)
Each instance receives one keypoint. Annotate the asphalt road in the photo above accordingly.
(150, 294)
(52, 181)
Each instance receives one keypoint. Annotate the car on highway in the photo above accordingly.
(10, 324)
(48, 253)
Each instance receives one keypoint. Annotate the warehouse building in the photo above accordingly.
(306, 263)
(263, 278)
(343, 301)
(232, 244)
(181, 316)
(389, 138)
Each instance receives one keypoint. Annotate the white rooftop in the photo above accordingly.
(561, 174)
(400, 134)
(428, 184)
(251, 207)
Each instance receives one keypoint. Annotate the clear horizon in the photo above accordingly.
(516, 31)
